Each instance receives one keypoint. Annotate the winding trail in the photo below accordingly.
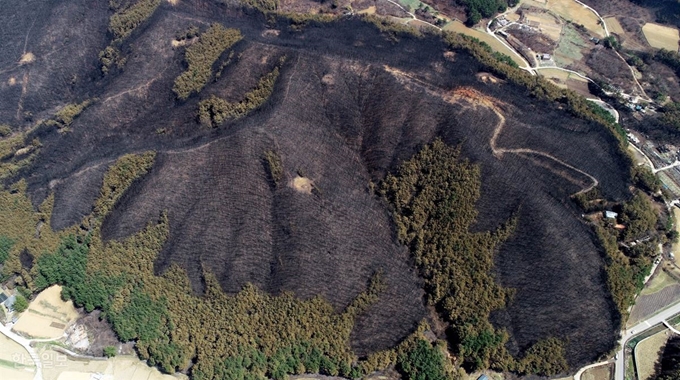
(498, 152)
(477, 98)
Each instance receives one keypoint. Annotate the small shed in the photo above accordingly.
(610, 214)
(545, 57)
(483, 377)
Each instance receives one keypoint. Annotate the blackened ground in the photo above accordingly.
(342, 116)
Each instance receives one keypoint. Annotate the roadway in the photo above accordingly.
(626, 335)
(26, 344)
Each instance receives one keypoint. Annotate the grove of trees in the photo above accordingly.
(214, 110)
(200, 58)
(433, 199)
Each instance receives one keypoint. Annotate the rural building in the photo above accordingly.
(483, 377)
(9, 302)
(633, 138)
(545, 57)
(610, 214)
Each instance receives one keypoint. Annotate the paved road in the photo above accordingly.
(674, 164)
(26, 344)
(626, 335)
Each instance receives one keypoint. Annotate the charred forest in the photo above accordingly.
(260, 183)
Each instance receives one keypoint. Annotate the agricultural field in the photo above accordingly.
(660, 281)
(13, 355)
(369, 11)
(548, 24)
(57, 366)
(570, 48)
(47, 316)
(661, 37)
(646, 305)
(459, 27)
(647, 353)
(614, 26)
(603, 372)
(565, 79)
(572, 11)
(9, 372)
(15, 363)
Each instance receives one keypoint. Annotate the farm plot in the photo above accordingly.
(14, 361)
(660, 281)
(47, 316)
(15, 373)
(126, 367)
(661, 37)
(570, 49)
(12, 353)
(548, 24)
(369, 11)
(647, 354)
(565, 79)
(572, 11)
(459, 27)
(647, 305)
(614, 26)
(603, 372)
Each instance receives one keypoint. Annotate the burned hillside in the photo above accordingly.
(349, 105)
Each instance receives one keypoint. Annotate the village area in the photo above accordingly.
(52, 340)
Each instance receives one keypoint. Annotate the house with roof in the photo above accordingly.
(610, 214)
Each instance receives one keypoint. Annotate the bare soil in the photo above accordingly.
(603, 372)
(648, 355)
(47, 315)
(535, 40)
(101, 335)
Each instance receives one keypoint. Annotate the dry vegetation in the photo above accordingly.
(283, 334)
(200, 58)
(214, 110)
(173, 327)
(614, 26)
(459, 27)
(647, 354)
(122, 24)
(125, 20)
(572, 11)
(433, 196)
(65, 116)
(661, 37)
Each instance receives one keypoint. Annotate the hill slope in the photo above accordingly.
(349, 105)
